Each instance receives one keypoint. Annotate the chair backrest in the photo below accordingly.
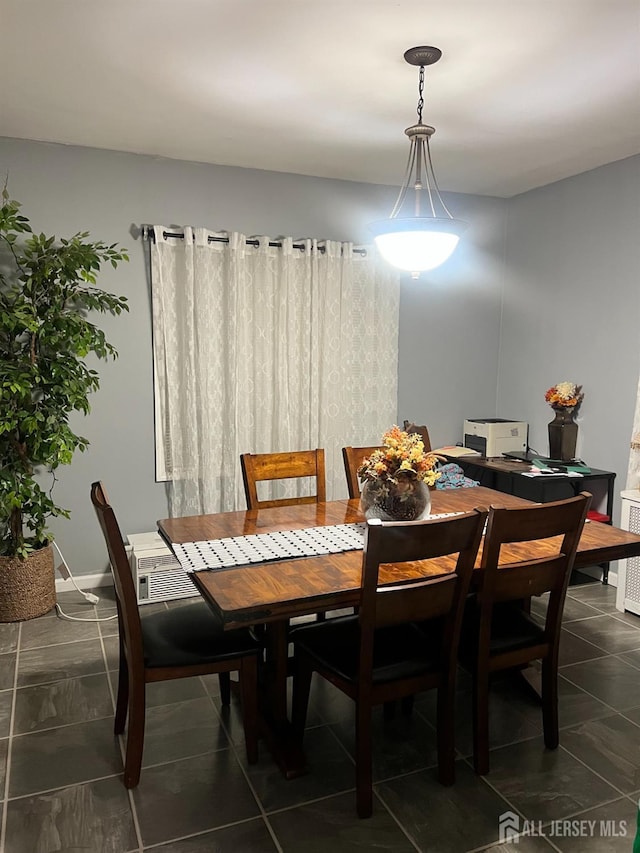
(457, 538)
(283, 466)
(126, 600)
(353, 458)
(422, 431)
(509, 573)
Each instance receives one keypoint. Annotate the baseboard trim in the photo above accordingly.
(84, 582)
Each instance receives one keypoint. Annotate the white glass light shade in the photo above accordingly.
(417, 244)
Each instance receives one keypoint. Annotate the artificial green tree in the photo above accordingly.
(47, 289)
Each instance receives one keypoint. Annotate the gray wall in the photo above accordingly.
(571, 309)
(66, 189)
(450, 328)
(542, 288)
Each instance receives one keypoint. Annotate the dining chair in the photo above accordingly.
(498, 631)
(181, 642)
(380, 654)
(257, 467)
(353, 458)
(422, 431)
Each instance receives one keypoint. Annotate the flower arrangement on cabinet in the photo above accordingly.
(564, 395)
(401, 463)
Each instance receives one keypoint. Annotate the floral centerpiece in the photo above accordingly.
(564, 398)
(396, 478)
(564, 395)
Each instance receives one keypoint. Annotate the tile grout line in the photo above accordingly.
(621, 794)
(132, 805)
(592, 695)
(393, 816)
(236, 748)
(45, 791)
(5, 799)
(619, 791)
(161, 845)
(376, 792)
(604, 651)
(508, 802)
(628, 662)
(245, 773)
(62, 725)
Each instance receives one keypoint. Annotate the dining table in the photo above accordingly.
(274, 592)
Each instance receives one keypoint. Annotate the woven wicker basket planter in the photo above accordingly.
(27, 587)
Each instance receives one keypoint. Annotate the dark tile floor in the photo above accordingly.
(60, 765)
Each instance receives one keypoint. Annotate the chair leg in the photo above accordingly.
(389, 710)
(364, 761)
(122, 698)
(225, 687)
(550, 704)
(481, 723)
(249, 694)
(135, 735)
(446, 734)
(406, 705)
(303, 673)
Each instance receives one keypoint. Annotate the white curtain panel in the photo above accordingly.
(633, 473)
(262, 349)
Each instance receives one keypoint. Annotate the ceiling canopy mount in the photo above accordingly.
(422, 55)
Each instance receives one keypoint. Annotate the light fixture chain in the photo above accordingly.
(420, 91)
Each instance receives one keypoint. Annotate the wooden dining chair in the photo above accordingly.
(498, 632)
(257, 467)
(353, 458)
(177, 643)
(422, 431)
(380, 654)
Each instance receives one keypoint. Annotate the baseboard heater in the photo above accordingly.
(628, 592)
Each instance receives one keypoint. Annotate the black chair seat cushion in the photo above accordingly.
(189, 635)
(398, 652)
(511, 629)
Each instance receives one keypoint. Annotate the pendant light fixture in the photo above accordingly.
(420, 233)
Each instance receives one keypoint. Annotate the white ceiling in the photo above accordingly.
(527, 92)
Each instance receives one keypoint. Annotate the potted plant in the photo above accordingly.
(47, 288)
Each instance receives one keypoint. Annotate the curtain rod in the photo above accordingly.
(148, 234)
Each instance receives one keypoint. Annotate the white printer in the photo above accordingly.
(495, 436)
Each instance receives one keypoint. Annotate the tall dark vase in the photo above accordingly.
(563, 435)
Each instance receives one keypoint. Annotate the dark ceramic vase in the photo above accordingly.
(563, 435)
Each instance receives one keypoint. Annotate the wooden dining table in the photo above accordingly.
(272, 593)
